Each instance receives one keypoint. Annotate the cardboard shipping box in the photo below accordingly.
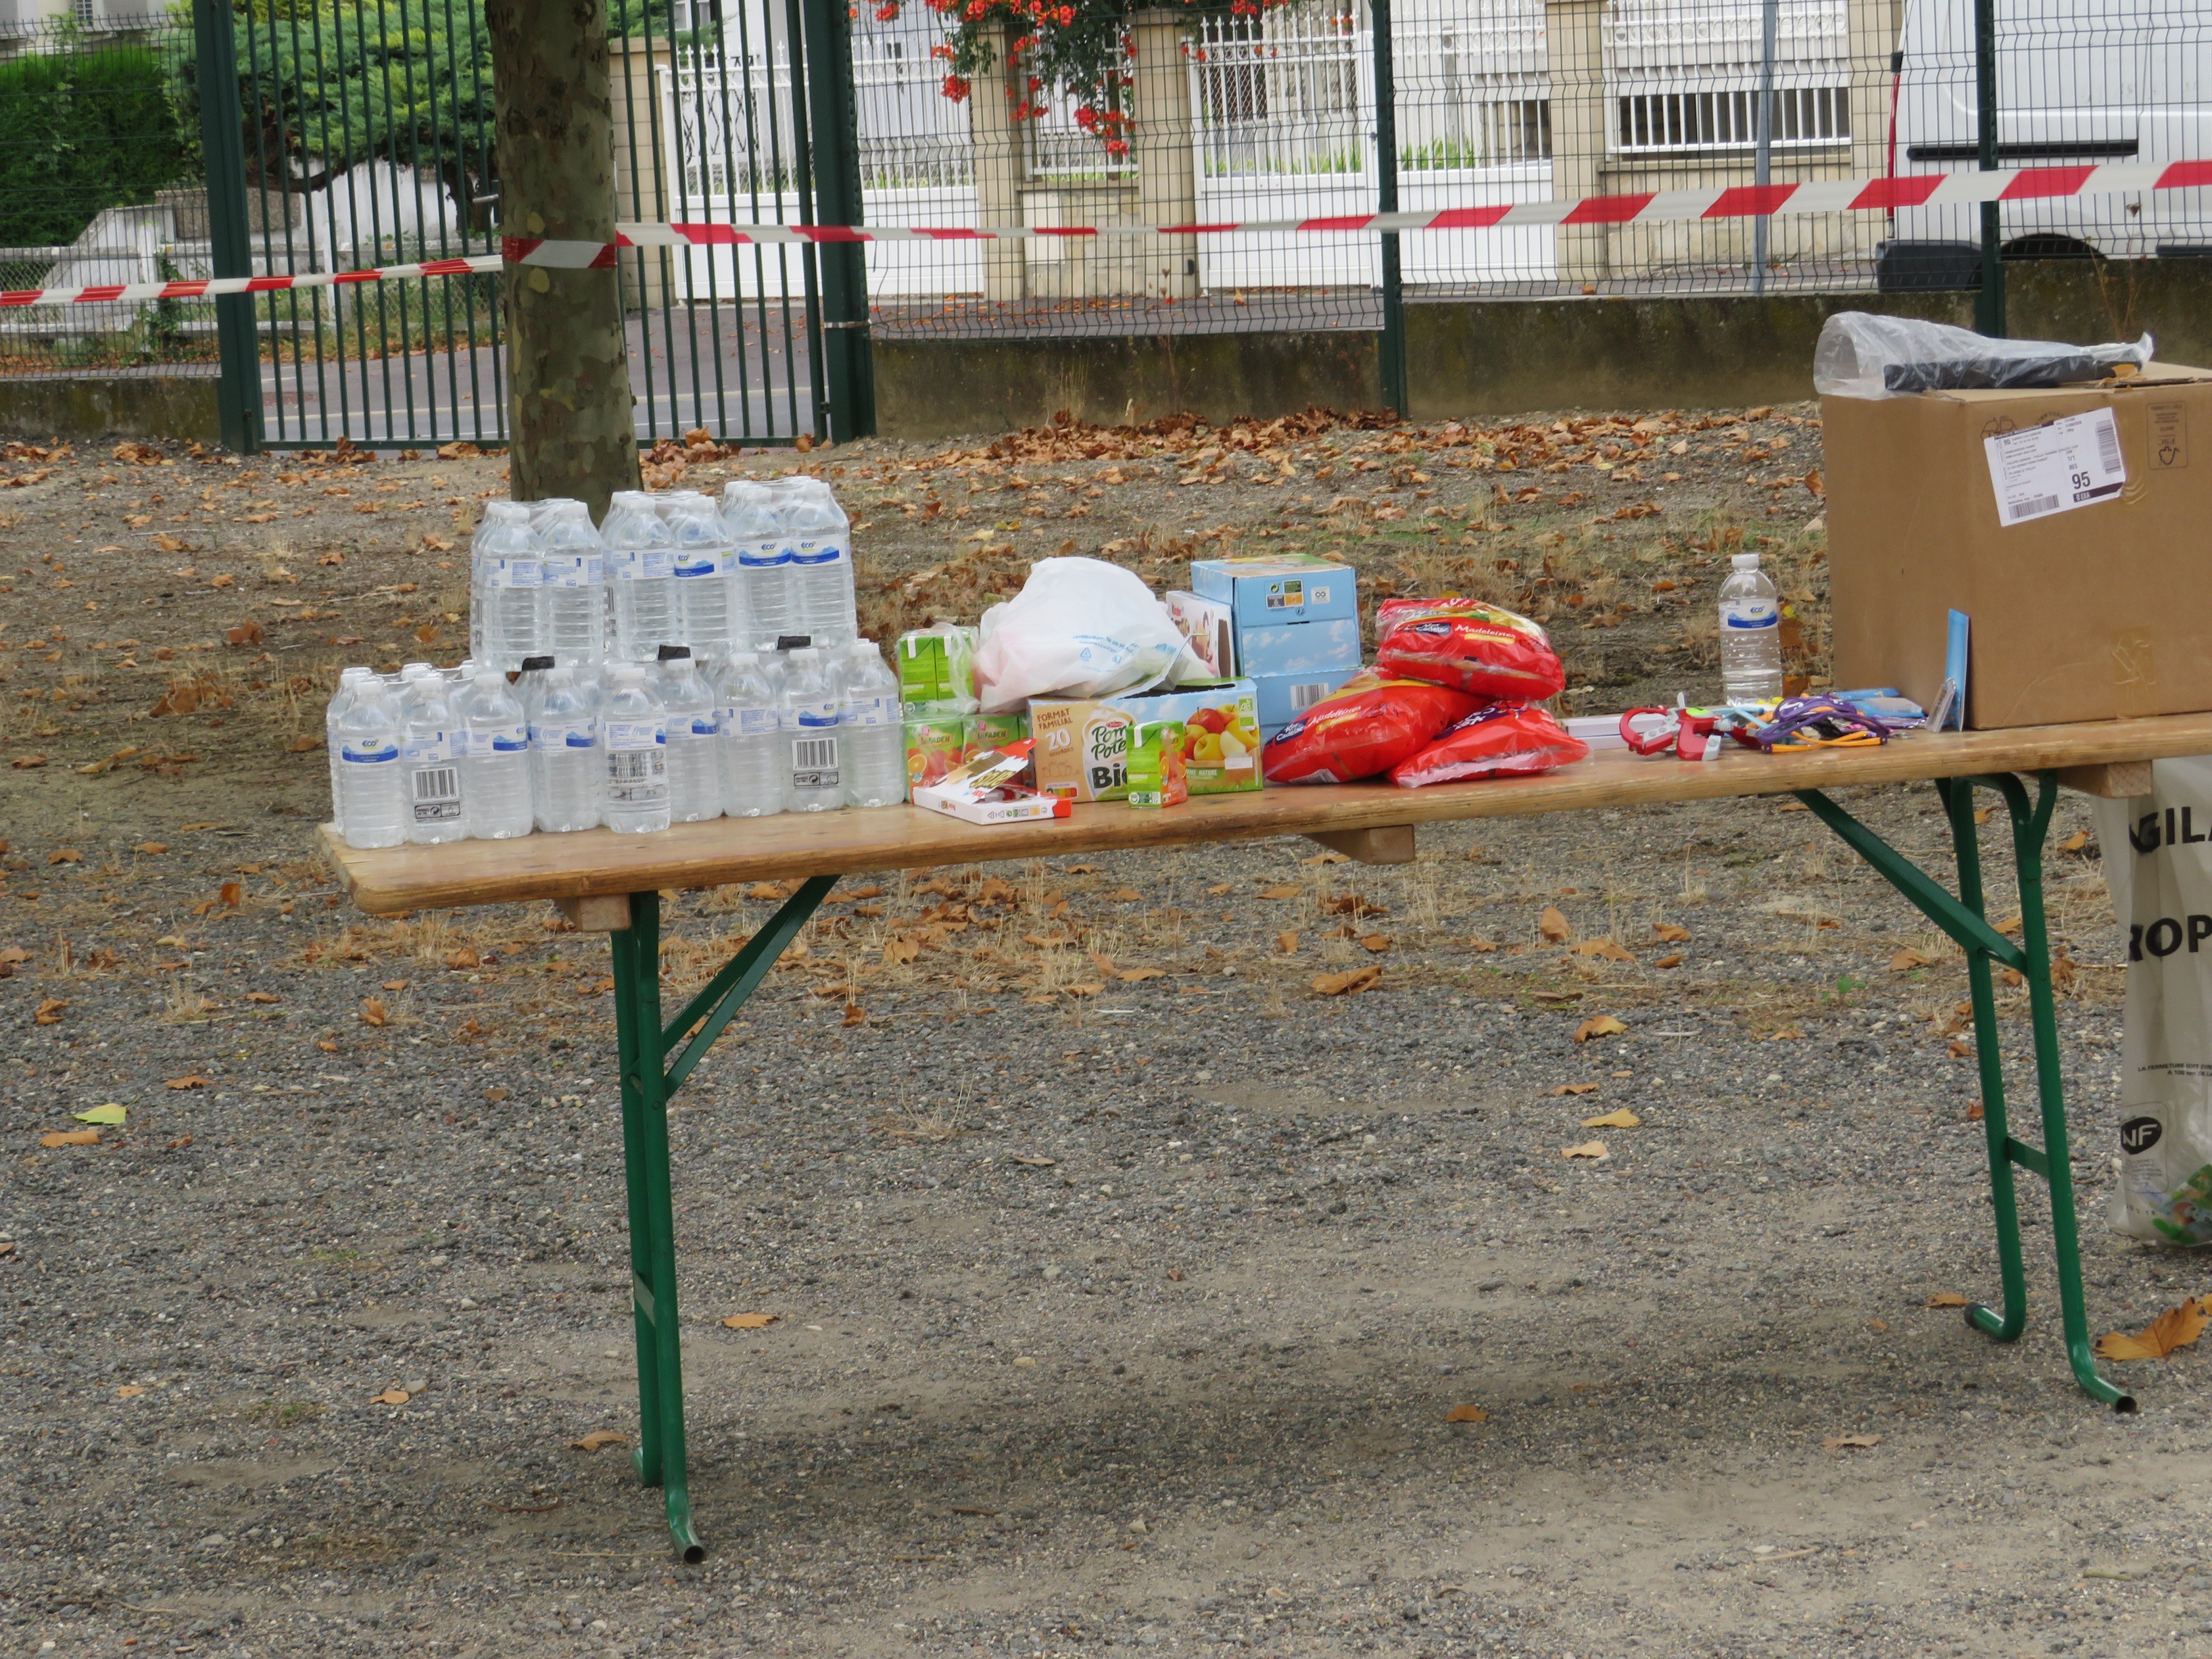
(2071, 548)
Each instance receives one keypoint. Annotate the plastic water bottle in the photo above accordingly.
(872, 727)
(695, 778)
(710, 599)
(372, 804)
(640, 562)
(751, 719)
(813, 779)
(496, 771)
(349, 685)
(752, 517)
(572, 596)
(568, 768)
(820, 538)
(1751, 633)
(427, 763)
(632, 729)
(505, 568)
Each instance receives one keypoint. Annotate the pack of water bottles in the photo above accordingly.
(676, 662)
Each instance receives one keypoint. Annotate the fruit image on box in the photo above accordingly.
(1083, 743)
(1298, 627)
(936, 745)
(994, 732)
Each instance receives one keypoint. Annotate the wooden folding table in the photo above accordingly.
(612, 883)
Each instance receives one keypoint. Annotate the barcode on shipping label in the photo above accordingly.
(2055, 468)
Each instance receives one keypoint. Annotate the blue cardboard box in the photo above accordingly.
(1297, 619)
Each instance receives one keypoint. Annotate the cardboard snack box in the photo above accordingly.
(2071, 545)
(1083, 743)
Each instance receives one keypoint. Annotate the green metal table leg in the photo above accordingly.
(1965, 919)
(650, 1077)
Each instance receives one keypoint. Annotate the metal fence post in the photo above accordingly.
(1393, 343)
(849, 381)
(1989, 303)
(1763, 161)
(222, 141)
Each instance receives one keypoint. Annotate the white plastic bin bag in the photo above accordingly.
(1082, 628)
(2158, 863)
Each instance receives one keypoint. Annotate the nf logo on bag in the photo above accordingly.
(2140, 1134)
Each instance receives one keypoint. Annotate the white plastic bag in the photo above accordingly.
(1081, 628)
(1863, 356)
(2158, 864)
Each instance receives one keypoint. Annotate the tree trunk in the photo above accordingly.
(570, 421)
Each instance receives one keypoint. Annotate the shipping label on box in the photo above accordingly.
(2057, 467)
(1083, 743)
(1277, 589)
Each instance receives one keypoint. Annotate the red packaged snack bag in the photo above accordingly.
(1367, 726)
(1468, 646)
(1491, 743)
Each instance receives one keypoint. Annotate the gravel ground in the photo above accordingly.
(1135, 1316)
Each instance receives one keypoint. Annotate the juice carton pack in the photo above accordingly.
(994, 732)
(937, 670)
(1156, 771)
(935, 746)
(1083, 743)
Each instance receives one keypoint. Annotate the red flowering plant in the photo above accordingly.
(1080, 48)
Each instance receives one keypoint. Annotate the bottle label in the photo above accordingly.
(872, 711)
(700, 562)
(565, 734)
(636, 776)
(635, 564)
(756, 722)
(810, 717)
(432, 749)
(1750, 613)
(818, 551)
(499, 739)
(511, 573)
(577, 570)
(764, 555)
(436, 797)
(634, 737)
(814, 762)
(368, 752)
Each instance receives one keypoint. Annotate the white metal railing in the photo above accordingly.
(1474, 93)
(729, 124)
(1289, 95)
(1684, 74)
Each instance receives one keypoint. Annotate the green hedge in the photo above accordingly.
(80, 132)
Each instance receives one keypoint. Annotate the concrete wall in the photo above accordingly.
(182, 407)
(1498, 357)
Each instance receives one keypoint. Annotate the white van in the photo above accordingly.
(2093, 83)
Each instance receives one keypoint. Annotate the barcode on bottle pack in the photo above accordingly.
(813, 754)
(438, 783)
(635, 765)
(1303, 697)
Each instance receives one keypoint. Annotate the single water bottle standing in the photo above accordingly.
(371, 801)
(572, 595)
(505, 568)
(813, 779)
(695, 779)
(872, 729)
(748, 714)
(634, 739)
(752, 519)
(568, 772)
(640, 566)
(427, 761)
(496, 770)
(349, 685)
(710, 614)
(1751, 633)
(820, 538)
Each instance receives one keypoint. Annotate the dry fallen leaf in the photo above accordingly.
(1673, 960)
(1609, 949)
(1597, 1026)
(153, 849)
(1574, 1088)
(112, 1113)
(1905, 960)
(373, 1011)
(390, 1397)
(1125, 895)
(1623, 1119)
(1589, 1148)
(1466, 1414)
(1850, 1441)
(1217, 889)
(899, 950)
(597, 1438)
(263, 996)
(49, 1011)
(230, 893)
(193, 1080)
(1278, 892)
(1667, 933)
(70, 1138)
(1136, 975)
(2075, 842)
(854, 1014)
(1287, 942)
(1946, 1299)
(64, 855)
(1554, 926)
(751, 1322)
(1358, 980)
(1034, 1161)
(2177, 1328)
(129, 1391)
(1376, 943)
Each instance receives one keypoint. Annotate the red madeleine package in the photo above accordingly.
(1491, 743)
(1468, 646)
(1367, 726)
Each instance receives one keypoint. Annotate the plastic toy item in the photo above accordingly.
(1369, 725)
(1801, 723)
(1690, 733)
(1468, 646)
(1491, 743)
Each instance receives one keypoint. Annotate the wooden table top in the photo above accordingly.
(388, 881)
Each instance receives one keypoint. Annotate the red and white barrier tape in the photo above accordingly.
(1650, 207)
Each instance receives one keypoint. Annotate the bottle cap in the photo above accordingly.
(531, 664)
(675, 654)
(794, 642)
(1743, 560)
